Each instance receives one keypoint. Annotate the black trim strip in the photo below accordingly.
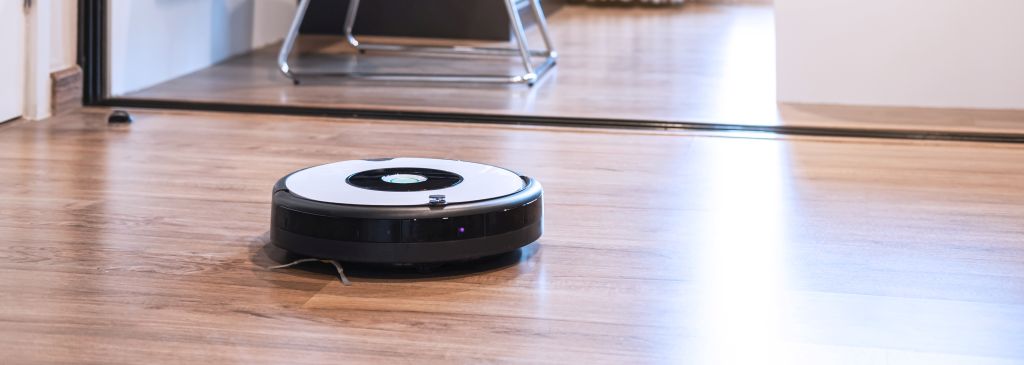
(557, 121)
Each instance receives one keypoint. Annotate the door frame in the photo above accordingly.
(92, 51)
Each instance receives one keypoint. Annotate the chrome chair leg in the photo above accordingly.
(519, 31)
(289, 41)
(542, 25)
(350, 22)
(531, 72)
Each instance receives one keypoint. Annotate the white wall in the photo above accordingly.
(38, 47)
(63, 34)
(927, 53)
(50, 44)
(151, 41)
(12, 64)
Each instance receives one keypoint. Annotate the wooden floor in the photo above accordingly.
(697, 63)
(146, 243)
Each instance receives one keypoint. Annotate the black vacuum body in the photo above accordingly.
(405, 211)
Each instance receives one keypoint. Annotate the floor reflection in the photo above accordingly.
(742, 252)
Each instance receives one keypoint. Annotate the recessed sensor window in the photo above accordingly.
(403, 178)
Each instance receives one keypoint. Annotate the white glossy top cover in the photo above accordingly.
(328, 183)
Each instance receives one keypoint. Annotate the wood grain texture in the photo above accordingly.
(696, 63)
(145, 243)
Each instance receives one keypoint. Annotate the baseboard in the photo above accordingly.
(66, 90)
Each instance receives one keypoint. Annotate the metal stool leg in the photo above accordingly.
(522, 51)
(542, 25)
(520, 33)
(350, 22)
(289, 41)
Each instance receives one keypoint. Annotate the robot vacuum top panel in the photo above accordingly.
(403, 182)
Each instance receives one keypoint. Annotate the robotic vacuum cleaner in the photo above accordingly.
(405, 211)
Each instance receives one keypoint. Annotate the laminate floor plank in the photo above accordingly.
(147, 243)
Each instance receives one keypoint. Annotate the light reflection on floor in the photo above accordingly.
(741, 278)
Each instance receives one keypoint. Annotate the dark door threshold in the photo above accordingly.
(560, 121)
